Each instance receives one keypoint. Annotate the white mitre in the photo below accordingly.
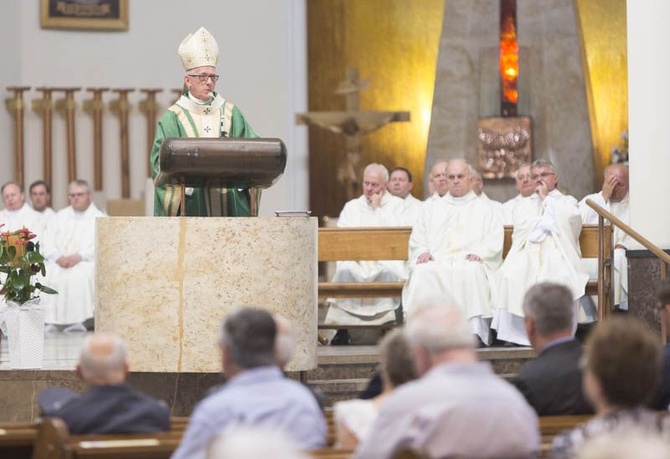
(198, 50)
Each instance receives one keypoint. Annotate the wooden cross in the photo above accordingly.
(353, 124)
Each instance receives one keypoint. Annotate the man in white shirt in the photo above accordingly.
(545, 248)
(525, 186)
(17, 213)
(400, 185)
(455, 249)
(69, 249)
(40, 197)
(375, 207)
(613, 198)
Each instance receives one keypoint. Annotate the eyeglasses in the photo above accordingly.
(542, 175)
(203, 77)
(76, 195)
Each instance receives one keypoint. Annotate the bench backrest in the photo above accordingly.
(55, 442)
(341, 244)
(17, 440)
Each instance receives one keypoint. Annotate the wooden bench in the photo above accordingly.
(550, 426)
(17, 440)
(52, 440)
(361, 244)
(55, 442)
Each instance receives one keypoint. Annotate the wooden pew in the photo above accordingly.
(550, 426)
(55, 442)
(17, 440)
(360, 244)
(52, 440)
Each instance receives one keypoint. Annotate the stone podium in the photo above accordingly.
(164, 284)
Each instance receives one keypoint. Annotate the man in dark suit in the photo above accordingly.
(109, 405)
(661, 400)
(552, 382)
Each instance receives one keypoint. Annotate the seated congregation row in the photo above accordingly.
(436, 397)
(66, 240)
(456, 245)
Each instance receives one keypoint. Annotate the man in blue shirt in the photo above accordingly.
(256, 392)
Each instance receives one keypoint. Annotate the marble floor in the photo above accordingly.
(61, 351)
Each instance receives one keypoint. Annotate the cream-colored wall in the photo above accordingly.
(9, 76)
(649, 117)
(262, 66)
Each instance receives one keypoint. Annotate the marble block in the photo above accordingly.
(164, 284)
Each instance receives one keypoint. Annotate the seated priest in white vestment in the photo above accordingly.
(437, 182)
(17, 213)
(545, 248)
(478, 188)
(613, 198)
(525, 186)
(454, 251)
(376, 207)
(40, 197)
(400, 185)
(69, 250)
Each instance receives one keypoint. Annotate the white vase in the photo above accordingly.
(24, 326)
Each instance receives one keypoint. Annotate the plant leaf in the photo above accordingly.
(45, 289)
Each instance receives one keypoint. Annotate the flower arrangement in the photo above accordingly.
(20, 261)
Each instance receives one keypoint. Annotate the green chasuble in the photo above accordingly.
(189, 119)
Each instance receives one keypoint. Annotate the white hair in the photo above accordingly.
(379, 169)
(102, 357)
(254, 442)
(439, 328)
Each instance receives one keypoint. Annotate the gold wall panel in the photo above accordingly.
(394, 44)
(603, 29)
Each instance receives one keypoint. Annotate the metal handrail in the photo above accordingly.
(646, 243)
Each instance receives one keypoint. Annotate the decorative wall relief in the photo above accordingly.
(503, 144)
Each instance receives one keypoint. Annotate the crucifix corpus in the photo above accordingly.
(353, 124)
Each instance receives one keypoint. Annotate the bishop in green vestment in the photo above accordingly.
(201, 112)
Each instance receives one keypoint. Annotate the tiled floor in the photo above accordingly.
(61, 351)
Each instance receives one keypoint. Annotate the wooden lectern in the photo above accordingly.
(221, 163)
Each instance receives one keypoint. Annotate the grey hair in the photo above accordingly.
(543, 163)
(477, 174)
(550, 306)
(439, 329)
(461, 160)
(98, 366)
(520, 166)
(378, 168)
(249, 336)
(79, 182)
